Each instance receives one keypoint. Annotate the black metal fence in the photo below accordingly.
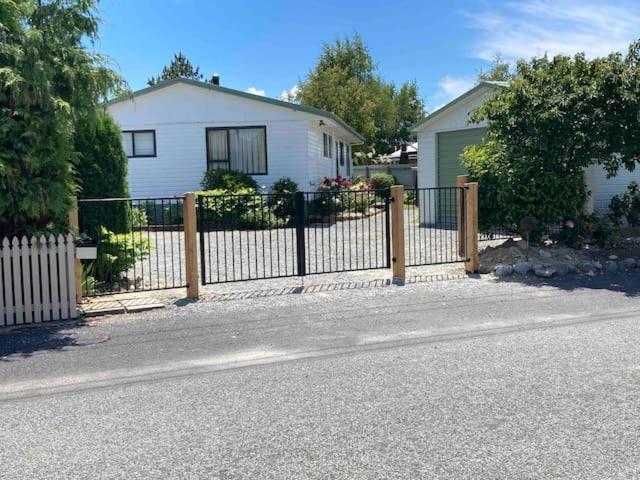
(434, 225)
(262, 236)
(140, 244)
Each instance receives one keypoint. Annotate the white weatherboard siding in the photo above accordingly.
(179, 113)
(319, 165)
(603, 188)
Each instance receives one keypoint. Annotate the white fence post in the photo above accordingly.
(37, 279)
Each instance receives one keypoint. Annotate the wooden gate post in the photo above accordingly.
(74, 229)
(472, 264)
(397, 233)
(191, 245)
(460, 181)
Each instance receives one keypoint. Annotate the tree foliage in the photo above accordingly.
(558, 116)
(500, 70)
(179, 67)
(102, 173)
(346, 82)
(49, 82)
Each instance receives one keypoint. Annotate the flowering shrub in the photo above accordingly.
(342, 195)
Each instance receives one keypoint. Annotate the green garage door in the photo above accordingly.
(450, 147)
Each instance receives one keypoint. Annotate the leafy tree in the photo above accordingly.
(557, 117)
(102, 173)
(179, 67)
(345, 81)
(409, 110)
(500, 70)
(49, 82)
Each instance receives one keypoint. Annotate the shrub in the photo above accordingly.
(227, 180)
(340, 194)
(240, 209)
(117, 253)
(102, 173)
(627, 206)
(283, 204)
(575, 232)
(381, 181)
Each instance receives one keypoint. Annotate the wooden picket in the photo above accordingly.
(37, 280)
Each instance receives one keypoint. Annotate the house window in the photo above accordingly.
(243, 149)
(341, 154)
(139, 143)
(348, 161)
(327, 143)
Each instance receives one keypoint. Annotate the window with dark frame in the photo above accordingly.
(327, 145)
(341, 154)
(243, 149)
(139, 143)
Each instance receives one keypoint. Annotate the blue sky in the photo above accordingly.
(266, 47)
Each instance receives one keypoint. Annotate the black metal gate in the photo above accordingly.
(263, 236)
(435, 225)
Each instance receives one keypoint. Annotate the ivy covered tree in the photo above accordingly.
(49, 82)
(557, 117)
(346, 82)
(179, 67)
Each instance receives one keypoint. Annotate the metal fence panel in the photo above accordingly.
(140, 244)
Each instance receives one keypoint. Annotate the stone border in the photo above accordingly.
(587, 267)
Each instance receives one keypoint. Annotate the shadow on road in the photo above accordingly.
(627, 283)
(24, 342)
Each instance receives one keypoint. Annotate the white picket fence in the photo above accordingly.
(37, 279)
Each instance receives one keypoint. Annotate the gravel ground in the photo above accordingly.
(257, 254)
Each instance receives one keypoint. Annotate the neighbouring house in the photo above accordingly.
(174, 131)
(443, 135)
(406, 154)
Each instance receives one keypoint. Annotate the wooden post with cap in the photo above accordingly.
(74, 229)
(191, 245)
(472, 263)
(397, 233)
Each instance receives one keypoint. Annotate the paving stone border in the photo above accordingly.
(587, 267)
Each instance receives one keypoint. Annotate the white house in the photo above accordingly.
(175, 130)
(443, 135)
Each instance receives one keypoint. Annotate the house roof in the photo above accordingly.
(411, 148)
(480, 86)
(272, 101)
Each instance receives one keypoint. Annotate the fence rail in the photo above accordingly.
(37, 280)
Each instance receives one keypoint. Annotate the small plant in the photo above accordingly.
(227, 180)
(627, 206)
(117, 253)
(381, 181)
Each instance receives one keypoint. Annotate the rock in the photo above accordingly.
(522, 268)
(572, 268)
(613, 257)
(587, 267)
(544, 253)
(562, 269)
(611, 266)
(545, 272)
(628, 263)
(502, 270)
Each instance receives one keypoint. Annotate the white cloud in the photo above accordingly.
(535, 27)
(290, 95)
(449, 88)
(255, 91)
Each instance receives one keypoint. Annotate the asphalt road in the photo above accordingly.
(453, 379)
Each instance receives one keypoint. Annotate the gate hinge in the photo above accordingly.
(391, 199)
(394, 259)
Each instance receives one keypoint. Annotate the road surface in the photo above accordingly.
(454, 379)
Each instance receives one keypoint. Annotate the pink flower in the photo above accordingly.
(570, 224)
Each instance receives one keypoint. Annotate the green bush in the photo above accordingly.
(627, 206)
(227, 180)
(102, 173)
(240, 209)
(381, 181)
(117, 253)
(283, 204)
